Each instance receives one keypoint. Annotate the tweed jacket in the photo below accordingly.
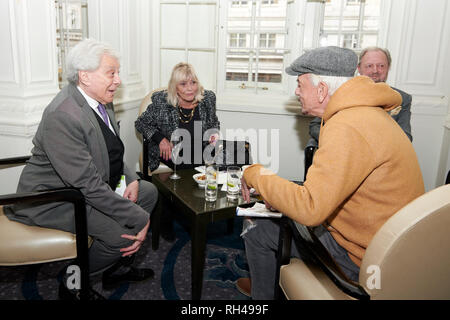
(70, 151)
(162, 117)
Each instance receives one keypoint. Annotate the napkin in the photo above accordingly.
(258, 210)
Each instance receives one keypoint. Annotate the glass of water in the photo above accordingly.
(233, 182)
(175, 153)
(212, 174)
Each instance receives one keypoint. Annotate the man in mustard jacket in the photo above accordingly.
(364, 171)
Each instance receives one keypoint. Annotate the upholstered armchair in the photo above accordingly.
(408, 258)
(22, 244)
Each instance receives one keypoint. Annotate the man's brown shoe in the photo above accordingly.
(244, 285)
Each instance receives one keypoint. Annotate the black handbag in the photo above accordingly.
(230, 153)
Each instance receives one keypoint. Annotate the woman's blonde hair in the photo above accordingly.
(182, 71)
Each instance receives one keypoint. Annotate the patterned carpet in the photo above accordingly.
(225, 263)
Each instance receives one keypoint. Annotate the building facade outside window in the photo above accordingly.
(350, 24)
(242, 48)
(260, 65)
(71, 28)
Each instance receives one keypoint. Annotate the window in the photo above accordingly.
(258, 61)
(352, 2)
(269, 2)
(239, 3)
(267, 40)
(71, 28)
(241, 48)
(238, 40)
(350, 24)
(187, 33)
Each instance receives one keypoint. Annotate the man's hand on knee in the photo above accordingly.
(138, 239)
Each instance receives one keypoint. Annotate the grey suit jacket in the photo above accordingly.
(70, 151)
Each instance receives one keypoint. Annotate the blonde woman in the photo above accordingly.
(184, 105)
(185, 108)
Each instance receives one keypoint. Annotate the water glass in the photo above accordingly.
(175, 153)
(211, 187)
(233, 182)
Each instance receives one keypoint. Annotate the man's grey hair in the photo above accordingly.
(332, 82)
(369, 49)
(86, 55)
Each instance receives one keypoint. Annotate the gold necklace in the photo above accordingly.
(185, 118)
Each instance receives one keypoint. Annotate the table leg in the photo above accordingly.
(198, 237)
(156, 222)
(230, 225)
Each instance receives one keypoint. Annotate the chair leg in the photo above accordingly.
(283, 254)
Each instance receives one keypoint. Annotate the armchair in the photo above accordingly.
(22, 244)
(408, 258)
(143, 159)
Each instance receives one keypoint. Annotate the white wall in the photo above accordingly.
(28, 69)
(289, 131)
(28, 77)
(419, 39)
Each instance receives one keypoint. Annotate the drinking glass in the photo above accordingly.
(175, 153)
(233, 182)
(212, 174)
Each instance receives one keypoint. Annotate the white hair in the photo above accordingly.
(86, 55)
(332, 82)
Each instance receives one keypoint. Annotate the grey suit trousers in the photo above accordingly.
(106, 232)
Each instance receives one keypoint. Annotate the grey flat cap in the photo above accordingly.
(326, 61)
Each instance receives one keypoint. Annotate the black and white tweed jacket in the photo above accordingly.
(162, 117)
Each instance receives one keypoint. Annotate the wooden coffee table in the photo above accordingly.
(188, 199)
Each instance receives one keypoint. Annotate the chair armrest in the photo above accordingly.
(14, 160)
(311, 248)
(309, 154)
(303, 235)
(69, 195)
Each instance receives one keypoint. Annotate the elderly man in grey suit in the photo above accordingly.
(374, 62)
(77, 144)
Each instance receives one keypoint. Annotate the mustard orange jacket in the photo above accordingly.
(364, 170)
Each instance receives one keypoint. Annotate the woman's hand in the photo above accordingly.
(165, 149)
(214, 138)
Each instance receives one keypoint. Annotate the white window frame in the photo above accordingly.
(239, 36)
(269, 2)
(239, 3)
(278, 102)
(245, 100)
(268, 38)
(68, 36)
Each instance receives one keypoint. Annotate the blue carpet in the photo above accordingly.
(225, 263)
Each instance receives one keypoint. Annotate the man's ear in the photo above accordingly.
(322, 91)
(83, 77)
